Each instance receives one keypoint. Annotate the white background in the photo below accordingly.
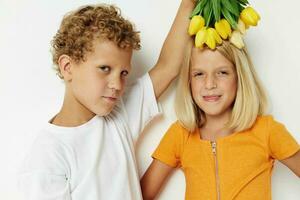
(30, 93)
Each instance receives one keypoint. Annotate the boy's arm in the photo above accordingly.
(293, 163)
(154, 178)
(173, 50)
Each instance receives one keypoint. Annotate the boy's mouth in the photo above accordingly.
(110, 98)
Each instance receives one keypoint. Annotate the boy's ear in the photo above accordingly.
(65, 67)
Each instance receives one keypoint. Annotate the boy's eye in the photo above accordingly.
(124, 73)
(104, 68)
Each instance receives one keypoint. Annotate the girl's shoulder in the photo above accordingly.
(267, 126)
(178, 132)
(279, 141)
(178, 127)
(265, 121)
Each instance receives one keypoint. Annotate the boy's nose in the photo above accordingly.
(115, 84)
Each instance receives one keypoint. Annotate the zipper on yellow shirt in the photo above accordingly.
(214, 151)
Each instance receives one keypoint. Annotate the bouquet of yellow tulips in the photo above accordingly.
(213, 21)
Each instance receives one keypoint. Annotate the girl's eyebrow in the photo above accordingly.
(196, 69)
(220, 67)
(224, 68)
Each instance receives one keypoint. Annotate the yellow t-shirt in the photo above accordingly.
(239, 169)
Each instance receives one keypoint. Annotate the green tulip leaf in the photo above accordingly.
(229, 18)
(216, 4)
(241, 7)
(243, 2)
(231, 6)
(199, 8)
(207, 13)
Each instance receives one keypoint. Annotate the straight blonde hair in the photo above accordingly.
(250, 101)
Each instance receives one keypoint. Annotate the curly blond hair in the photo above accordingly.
(81, 27)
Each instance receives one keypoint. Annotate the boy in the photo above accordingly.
(87, 150)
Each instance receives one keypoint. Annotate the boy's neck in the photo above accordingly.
(72, 113)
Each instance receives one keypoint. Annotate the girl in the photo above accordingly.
(222, 140)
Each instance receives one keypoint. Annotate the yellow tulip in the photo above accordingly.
(223, 28)
(241, 26)
(227, 26)
(213, 32)
(200, 38)
(210, 40)
(197, 23)
(250, 16)
(236, 39)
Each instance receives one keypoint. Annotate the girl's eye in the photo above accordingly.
(198, 74)
(222, 73)
(104, 68)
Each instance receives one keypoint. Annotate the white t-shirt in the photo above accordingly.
(94, 161)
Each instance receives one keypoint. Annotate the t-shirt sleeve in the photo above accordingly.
(42, 175)
(43, 185)
(140, 104)
(281, 143)
(170, 147)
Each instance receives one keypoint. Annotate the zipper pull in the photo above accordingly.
(214, 147)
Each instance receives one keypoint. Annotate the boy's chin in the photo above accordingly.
(103, 113)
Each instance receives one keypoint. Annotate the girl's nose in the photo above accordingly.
(210, 83)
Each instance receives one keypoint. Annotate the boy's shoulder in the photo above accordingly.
(44, 153)
(45, 139)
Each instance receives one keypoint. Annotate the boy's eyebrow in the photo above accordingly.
(124, 68)
(103, 65)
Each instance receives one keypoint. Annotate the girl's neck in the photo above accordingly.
(72, 113)
(215, 127)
